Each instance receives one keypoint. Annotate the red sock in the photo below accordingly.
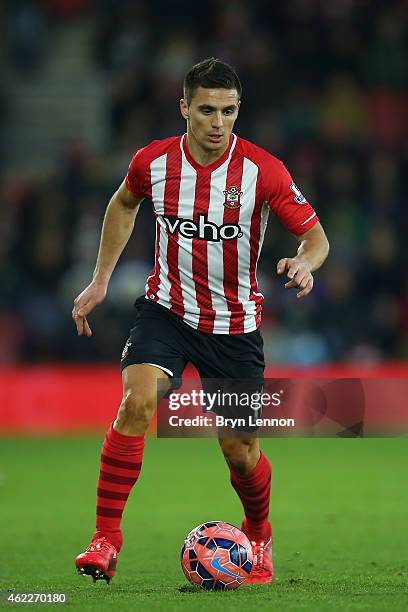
(254, 490)
(121, 462)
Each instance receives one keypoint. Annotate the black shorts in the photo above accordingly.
(161, 338)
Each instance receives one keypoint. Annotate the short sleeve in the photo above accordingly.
(136, 174)
(286, 200)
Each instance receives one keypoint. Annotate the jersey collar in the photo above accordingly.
(216, 164)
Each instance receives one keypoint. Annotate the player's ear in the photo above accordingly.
(184, 108)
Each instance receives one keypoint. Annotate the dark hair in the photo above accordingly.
(210, 73)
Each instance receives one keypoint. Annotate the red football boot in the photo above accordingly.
(99, 560)
(262, 566)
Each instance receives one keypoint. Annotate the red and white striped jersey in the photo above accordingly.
(210, 225)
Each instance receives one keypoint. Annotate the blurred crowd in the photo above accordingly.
(324, 89)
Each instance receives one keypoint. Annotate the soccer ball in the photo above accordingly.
(216, 556)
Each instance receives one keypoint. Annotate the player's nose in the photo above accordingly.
(217, 120)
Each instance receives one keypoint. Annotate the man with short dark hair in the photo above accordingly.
(211, 193)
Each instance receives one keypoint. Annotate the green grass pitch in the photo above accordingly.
(339, 509)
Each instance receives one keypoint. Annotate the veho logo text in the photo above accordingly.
(202, 229)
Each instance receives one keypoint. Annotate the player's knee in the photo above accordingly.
(137, 409)
(238, 453)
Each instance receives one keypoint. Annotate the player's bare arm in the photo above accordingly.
(117, 227)
(312, 252)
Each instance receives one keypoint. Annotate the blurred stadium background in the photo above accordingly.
(85, 83)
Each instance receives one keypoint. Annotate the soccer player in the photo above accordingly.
(211, 192)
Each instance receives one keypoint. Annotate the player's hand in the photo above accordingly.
(86, 301)
(299, 274)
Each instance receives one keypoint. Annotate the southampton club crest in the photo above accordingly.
(232, 198)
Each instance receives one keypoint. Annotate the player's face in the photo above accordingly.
(211, 116)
